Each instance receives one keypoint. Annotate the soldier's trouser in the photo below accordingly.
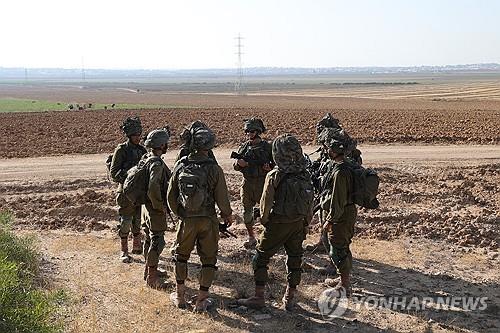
(154, 243)
(204, 233)
(155, 224)
(276, 235)
(251, 191)
(340, 237)
(130, 215)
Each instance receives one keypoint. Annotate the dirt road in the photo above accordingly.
(91, 166)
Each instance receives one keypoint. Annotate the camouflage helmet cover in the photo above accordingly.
(254, 124)
(327, 121)
(338, 140)
(202, 138)
(157, 137)
(186, 133)
(131, 126)
(288, 154)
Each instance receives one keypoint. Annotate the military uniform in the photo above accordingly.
(342, 216)
(253, 175)
(154, 210)
(199, 229)
(286, 206)
(184, 152)
(125, 156)
(279, 231)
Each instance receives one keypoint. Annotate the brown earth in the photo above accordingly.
(86, 132)
(436, 234)
(368, 120)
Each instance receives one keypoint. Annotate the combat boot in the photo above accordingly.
(343, 283)
(137, 244)
(254, 302)
(288, 298)
(202, 301)
(124, 256)
(152, 278)
(178, 296)
(251, 242)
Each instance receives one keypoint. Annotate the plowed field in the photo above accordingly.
(85, 132)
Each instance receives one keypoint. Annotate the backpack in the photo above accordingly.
(192, 179)
(294, 195)
(365, 186)
(136, 184)
(128, 165)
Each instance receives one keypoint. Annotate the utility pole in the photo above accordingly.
(25, 75)
(238, 85)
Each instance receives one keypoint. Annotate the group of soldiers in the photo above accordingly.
(277, 177)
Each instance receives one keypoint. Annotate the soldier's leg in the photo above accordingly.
(271, 240)
(207, 246)
(247, 201)
(146, 246)
(294, 252)
(182, 248)
(127, 211)
(157, 244)
(136, 231)
(340, 253)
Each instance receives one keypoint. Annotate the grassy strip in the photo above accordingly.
(28, 105)
(23, 307)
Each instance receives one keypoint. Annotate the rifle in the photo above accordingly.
(238, 156)
(249, 160)
(224, 231)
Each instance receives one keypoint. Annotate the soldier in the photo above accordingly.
(197, 184)
(186, 139)
(342, 211)
(286, 207)
(254, 162)
(154, 210)
(125, 156)
(322, 178)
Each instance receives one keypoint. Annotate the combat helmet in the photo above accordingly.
(131, 126)
(157, 137)
(185, 135)
(338, 140)
(202, 138)
(254, 124)
(327, 121)
(288, 154)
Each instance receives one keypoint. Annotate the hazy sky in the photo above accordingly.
(200, 33)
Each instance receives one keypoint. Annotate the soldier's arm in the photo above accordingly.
(241, 151)
(117, 174)
(339, 196)
(154, 187)
(173, 194)
(267, 199)
(221, 193)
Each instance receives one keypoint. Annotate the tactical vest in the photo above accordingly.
(256, 156)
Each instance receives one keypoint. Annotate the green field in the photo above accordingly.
(28, 105)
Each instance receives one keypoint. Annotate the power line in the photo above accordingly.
(238, 85)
